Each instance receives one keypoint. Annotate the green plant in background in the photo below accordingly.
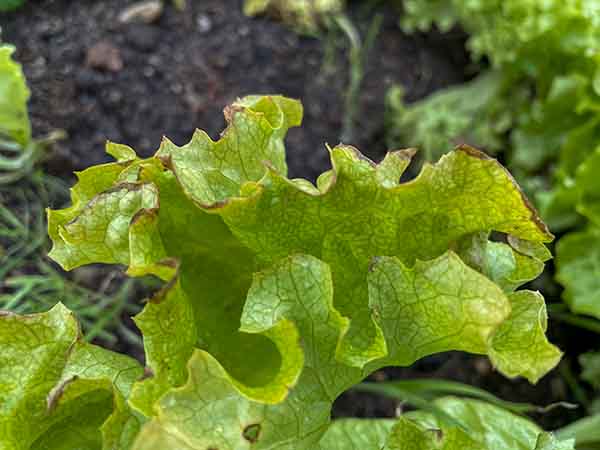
(474, 112)
(586, 431)
(304, 15)
(28, 281)
(180, 4)
(279, 295)
(10, 5)
(19, 151)
(538, 104)
(14, 118)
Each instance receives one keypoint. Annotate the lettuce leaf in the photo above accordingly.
(58, 392)
(274, 300)
(351, 434)
(14, 94)
(280, 294)
(478, 426)
(482, 426)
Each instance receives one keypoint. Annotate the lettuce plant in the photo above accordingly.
(14, 95)
(19, 152)
(279, 295)
(544, 52)
(538, 103)
(473, 112)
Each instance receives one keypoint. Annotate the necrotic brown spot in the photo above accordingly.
(252, 432)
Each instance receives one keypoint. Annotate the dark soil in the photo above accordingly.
(178, 74)
(99, 79)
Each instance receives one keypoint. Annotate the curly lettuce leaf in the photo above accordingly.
(417, 220)
(483, 323)
(14, 95)
(482, 426)
(58, 392)
(279, 294)
(274, 299)
(510, 264)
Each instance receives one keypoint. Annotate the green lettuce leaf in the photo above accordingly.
(478, 426)
(14, 94)
(356, 434)
(279, 294)
(274, 297)
(510, 264)
(482, 426)
(58, 392)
